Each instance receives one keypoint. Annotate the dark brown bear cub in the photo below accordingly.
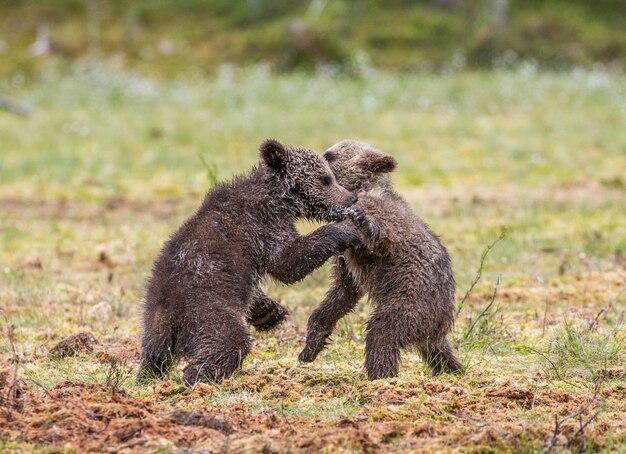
(401, 265)
(203, 288)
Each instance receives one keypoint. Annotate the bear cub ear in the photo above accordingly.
(274, 154)
(380, 163)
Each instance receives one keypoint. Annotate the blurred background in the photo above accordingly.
(486, 104)
(170, 38)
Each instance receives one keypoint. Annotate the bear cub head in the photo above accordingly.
(358, 166)
(307, 181)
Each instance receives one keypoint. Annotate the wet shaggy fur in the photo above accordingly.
(204, 286)
(401, 265)
(264, 313)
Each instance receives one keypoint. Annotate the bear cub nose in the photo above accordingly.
(353, 199)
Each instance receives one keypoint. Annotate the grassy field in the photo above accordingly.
(109, 164)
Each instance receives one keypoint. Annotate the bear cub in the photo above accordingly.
(401, 265)
(204, 290)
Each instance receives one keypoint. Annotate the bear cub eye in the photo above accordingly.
(329, 156)
(326, 180)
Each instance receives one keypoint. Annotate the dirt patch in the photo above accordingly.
(74, 345)
(196, 419)
(612, 372)
(11, 392)
(77, 210)
(92, 416)
(523, 397)
(441, 201)
(422, 418)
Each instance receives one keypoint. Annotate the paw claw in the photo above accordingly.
(307, 355)
(360, 220)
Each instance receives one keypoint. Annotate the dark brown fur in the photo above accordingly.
(264, 313)
(401, 265)
(200, 297)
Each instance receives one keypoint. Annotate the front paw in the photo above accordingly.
(315, 342)
(307, 355)
(337, 213)
(361, 221)
(345, 234)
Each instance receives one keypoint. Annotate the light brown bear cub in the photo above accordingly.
(401, 265)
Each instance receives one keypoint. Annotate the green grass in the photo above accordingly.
(112, 162)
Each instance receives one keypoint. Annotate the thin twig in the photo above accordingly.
(556, 369)
(579, 412)
(285, 418)
(483, 423)
(88, 411)
(9, 399)
(610, 304)
(583, 426)
(485, 311)
(558, 423)
(594, 322)
(43, 388)
(479, 273)
(545, 316)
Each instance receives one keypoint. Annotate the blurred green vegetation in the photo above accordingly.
(168, 37)
(539, 151)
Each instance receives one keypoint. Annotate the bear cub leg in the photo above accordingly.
(340, 299)
(156, 360)
(219, 349)
(382, 354)
(337, 303)
(440, 358)
(157, 347)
